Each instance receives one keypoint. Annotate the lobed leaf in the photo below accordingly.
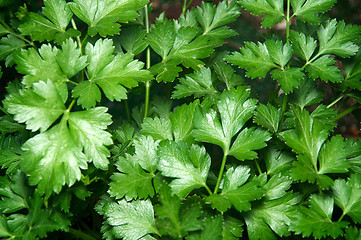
(308, 10)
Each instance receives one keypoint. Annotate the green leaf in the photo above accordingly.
(162, 36)
(176, 218)
(272, 9)
(278, 161)
(146, 152)
(254, 58)
(308, 10)
(166, 71)
(279, 52)
(14, 193)
(273, 213)
(317, 219)
(232, 228)
(212, 229)
(69, 58)
(324, 69)
(236, 191)
(211, 16)
(158, 128)
(133, 39)
(226, 74)
(289, 78)
(131, 220)
(182, 122)
(8, 45)
(188, 164)
(41, 66)
(333, 156)
(306, 94)
(348, 197)
(337, 38)
(103, 16)
(352, 233)
(40, 28)
(303, 46)
(110, 73)
(353, 73)
(54, 158)
(307, 138)
(38, 108)
(234, 110)
(199, 84)
(88, 129)
(133, 182)
(248, 140)
(268, 117)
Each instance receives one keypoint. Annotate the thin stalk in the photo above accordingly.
(258, 167)
(77, 38)
(71, 105)
(220, 175)
(208, 189)
(334, 102)
(80, 234)
(184, 7)
(189, 3)
(341, 217)
(347, 111)
(288, 22)
(147, 84)
(3, 110)
(127, 110)
(70, 81)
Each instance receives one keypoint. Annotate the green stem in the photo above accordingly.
(77, 38)
(189, 3)
(3, 110)
(184, 7)
(258, 167)
(347, 111)
(127, 110)
(336, 101)
(147, 84)
(208, 189)
(288, 22)
(220, 175)
(80, 234)
(11, 31)
(70, 81)
(341, 217)
(71, 105)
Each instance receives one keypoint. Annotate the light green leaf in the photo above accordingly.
(104, 16)
(234, 110)
(272, 9)
(256, 59)
(131, 220)
(69, 58)
(199, 84)
(88, 130)
(188, 164)
(317, 219)
(268, 117)
(38, 108)
(162, 36)
(40, 28)
(166, 71)
(271, 218)
(226, 74)
(306, 94)
(289, 78)
(88, 94)
(248, 140)
(8, 45)
(338, 38)
(158, 128)
(324, 69)
(333, 156)
(146, 152)
(211, 16)
(176, 217)
(182, 122)
(278, 162)
(308, 10)
(348, 197)
(133, 40)
(303, 46)
(279, 52)
(133, 182)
